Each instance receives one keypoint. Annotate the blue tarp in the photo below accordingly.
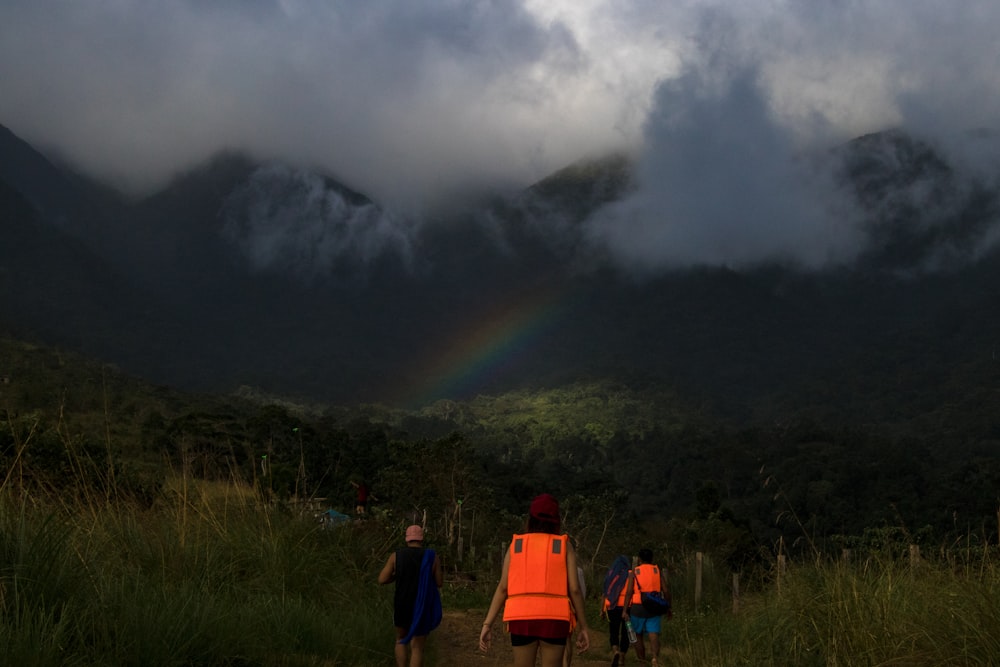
(334, 518)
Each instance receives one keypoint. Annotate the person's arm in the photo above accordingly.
(388, 573)
(438, 577)
(576, 596)
(499, 597)
(628, 594)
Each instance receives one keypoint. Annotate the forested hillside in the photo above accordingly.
(637, 456)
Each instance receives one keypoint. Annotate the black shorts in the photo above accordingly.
(524, 640)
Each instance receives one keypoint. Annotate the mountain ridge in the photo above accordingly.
(386, 305)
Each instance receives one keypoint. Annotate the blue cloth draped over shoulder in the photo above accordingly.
(427, 607)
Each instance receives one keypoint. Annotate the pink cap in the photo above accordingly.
(414, 534)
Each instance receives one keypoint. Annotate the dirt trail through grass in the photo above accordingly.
(456, 643)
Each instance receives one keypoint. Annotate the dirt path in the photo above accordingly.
(456, 643)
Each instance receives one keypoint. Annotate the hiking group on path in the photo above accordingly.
(541, 593)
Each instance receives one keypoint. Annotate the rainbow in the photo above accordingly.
(483, 347)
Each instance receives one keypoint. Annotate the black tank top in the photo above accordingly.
(408, 561)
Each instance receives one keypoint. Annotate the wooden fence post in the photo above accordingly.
(472, 543)
(461, 540)
(782, 565)
(697, 579)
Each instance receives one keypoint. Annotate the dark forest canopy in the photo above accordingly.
(644, 455)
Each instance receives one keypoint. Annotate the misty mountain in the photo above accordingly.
(242, 273)
(920, 212)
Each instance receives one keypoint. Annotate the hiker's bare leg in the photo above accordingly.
(568, 653)
(524, 656)
(552, 654)
(654, 645)
(417, 651)
(640, 647)
(399, 651)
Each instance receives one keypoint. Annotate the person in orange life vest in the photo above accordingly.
(540, 591)
(417, 573)
(647, 577)
(614, 611)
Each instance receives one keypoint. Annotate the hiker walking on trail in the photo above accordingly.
(646, 577)
(417, 601)
(539, 590)
(615, 582)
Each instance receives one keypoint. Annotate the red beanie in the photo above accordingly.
(545, 507)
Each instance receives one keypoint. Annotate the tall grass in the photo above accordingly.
(210, 574)
(207, 576)
(880, 612)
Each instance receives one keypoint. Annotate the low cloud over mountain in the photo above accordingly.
(290, 221)
(721, 105)
(270, 275)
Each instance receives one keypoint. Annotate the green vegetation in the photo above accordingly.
(879, 611)
(206, 576)
(144, 526)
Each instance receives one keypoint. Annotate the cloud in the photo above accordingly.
(410, 102)
(721, 178)
(397, 98)
(733, 166)
(289, 221)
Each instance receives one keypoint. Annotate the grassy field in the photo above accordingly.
(207, 576)
(880, 611)
(211, 575)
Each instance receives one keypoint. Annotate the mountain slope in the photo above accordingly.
(54, 288)
(264, 275)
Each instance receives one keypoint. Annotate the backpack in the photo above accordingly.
(653, 602)
(616, 578)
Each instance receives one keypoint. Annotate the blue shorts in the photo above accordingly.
(641, 625)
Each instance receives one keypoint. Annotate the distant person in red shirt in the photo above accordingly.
(361, 507)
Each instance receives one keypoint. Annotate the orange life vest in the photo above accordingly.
(537, 585)
(621, 599)
(647, 577)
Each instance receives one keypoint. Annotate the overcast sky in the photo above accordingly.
(406, 100)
